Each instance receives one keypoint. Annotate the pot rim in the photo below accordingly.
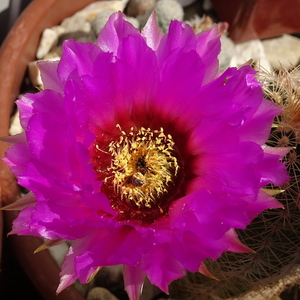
(18, 49)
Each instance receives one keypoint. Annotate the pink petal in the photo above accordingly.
(77, 58)
(113, 32)
(258, 127)
(209, 47)
(234, 244)
(164, 269)
(14, 139)
(203, 270)
(279, 151)
(134, 278)
(152, 33)
(25, 201)
(49, 75)
(25, 107)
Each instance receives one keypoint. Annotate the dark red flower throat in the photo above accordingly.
(141, 170)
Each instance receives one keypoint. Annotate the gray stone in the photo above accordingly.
(133, 21)
(59, 252)
(227, 52)
(207, 5)
(102, 17)
(284, 50)
(76, 23)
(253, 50)
(54, 53)
(99, 293)
(110, 276)
(90, 12)
(100, 20)
(34, 74)
(78, 36)
(185, 3)
(167, 10)
(139, 7)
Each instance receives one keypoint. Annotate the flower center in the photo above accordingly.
(139, 170)
(143, 166)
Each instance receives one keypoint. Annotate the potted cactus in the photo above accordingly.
(119, 155)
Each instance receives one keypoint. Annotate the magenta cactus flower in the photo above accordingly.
(142, 154)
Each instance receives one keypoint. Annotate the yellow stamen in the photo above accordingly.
(143, 165)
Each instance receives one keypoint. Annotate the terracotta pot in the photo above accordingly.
(258, 19)
(17, 50)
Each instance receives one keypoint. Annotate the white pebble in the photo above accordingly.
(34, 74)
(15, 126)
(139, 7)
(59, 252)
(91, 11)
(282, 51)
(59, 29)
(100, 20)
(76, 23)
(250, 50)
(167, 10)
(133, 21)
(228, 51)
(48, 40)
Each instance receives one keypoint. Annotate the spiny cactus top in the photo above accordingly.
(142, 154)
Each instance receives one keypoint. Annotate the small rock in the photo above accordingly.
(139, 7)
(185, 3)
(76, 23)
(282, 51)
(78, 36)
(100, 20)
(99, 293)
(167, 10)
(15, 126)
(48, 40)
(227, 52)
(250, 50)
(58, 29)
(192, 9)
(59, 252)
(55, 53)
(34, 73)
(91, 11)
(109, 276)
(133, 21)
(83, 288)
(207, 5)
